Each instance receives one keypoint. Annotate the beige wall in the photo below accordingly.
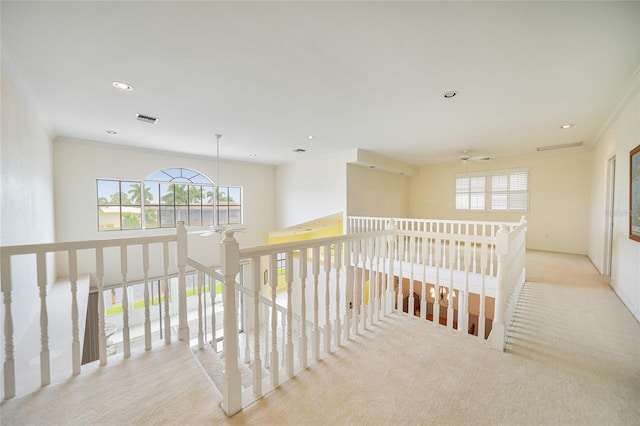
(618, 140)
(78, 163)
(26, 199)
(558, 218)
(372, 192)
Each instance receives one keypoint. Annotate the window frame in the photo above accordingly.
(513, 177)
(194, 209)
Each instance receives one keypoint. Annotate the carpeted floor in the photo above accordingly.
(573, 358)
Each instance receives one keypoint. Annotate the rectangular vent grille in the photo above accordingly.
(147, 119)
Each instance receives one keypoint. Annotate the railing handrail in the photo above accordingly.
(472, 222)
(264, 250)
(83, 245)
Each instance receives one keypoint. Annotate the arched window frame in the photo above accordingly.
(170, 195)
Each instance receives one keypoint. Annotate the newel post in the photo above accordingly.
(229, 261)
(183, 327)
(498, 330)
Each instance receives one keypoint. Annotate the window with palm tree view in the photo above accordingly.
(166, 197)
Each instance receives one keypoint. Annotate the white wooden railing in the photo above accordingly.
(350, 283)
(334, 289)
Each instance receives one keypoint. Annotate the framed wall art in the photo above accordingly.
(634, 194)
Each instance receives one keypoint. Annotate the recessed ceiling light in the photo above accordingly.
(111, 132)
(299, 150)
(310, 137)
(122, 86)
(450, 94)
(567, 126)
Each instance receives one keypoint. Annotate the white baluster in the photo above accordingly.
(267, 357)
(75, 329)
(9, 368)
(357, 295)
(257, 362)
(213, 289)
(452, 262)
(316, 329)
(436, 294)
(467, 260)
(377, 308)
(45, 367)
(232, 390)
(303, 308)
(400, 294)
(411, 303)
(390, 274)
(372, 282)
(273, 282)
(425, 257)
(483, 272)
(327, 299)
(348, 290)
(147, 314)
(165, 289)
(289, 278)
(338, 327)
(102, 337)
(200, 286)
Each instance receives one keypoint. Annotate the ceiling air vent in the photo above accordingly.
(147, 119)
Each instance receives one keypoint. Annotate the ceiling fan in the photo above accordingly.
(467, 156)
(217, 229)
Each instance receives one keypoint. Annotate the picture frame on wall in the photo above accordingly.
(634, 194)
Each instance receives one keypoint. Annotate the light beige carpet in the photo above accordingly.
(573, 358)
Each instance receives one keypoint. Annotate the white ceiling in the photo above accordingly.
(367, 75)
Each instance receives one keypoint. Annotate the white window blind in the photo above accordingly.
(498, 190)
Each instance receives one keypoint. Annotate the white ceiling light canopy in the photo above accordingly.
(122, 86)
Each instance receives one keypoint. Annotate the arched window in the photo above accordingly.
(167, 196)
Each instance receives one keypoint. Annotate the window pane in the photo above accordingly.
(235, 215)
(167, 217)
(108, 192)
(223, 197)
(182, 213)
(109, 218)
(130, 193)
(166, 194)
(195, 195)
(207, 215)
(462, 184)
(181, 194)
(223, 215)
(152, 193)
(151, 215)
(499, 201)
(518, 182)
(131, 217)
(235, 194)
(207, 193)
(518, 201)
(477, 184)
(499, 183)
(462, 201)
(477, 201)
(195, 216)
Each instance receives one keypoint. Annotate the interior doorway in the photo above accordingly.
(609, 214)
